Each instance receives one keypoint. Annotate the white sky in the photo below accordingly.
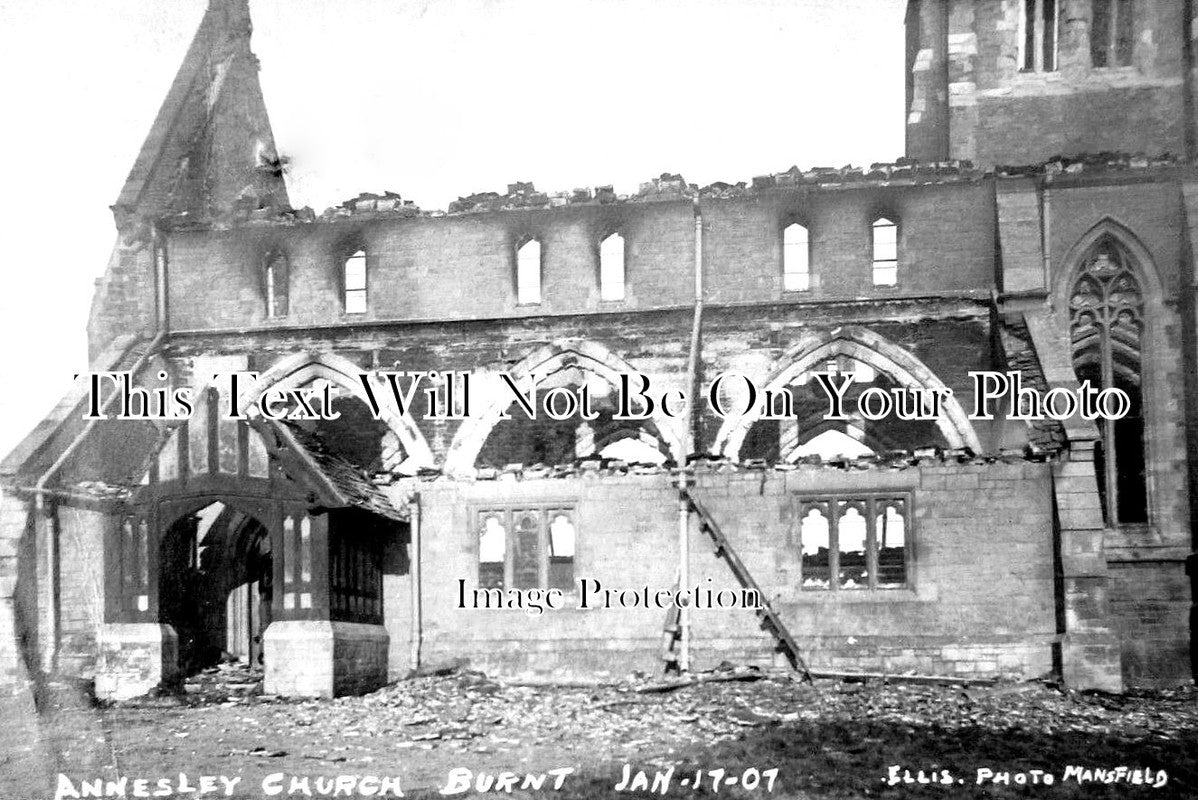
(432, 100)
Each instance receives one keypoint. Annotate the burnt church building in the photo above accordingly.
(1043, 220)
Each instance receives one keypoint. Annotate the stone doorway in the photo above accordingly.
(215, 586)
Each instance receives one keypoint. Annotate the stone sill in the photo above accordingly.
(1025, 84)
(855, 597)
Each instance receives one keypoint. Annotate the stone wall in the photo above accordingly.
(415, 265)
(1150, 602)
(324, 659)
(81, 587)
(980, 599)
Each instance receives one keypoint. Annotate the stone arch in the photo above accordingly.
(200, 562)
(303, 368)
(869, 348)
(564, 353)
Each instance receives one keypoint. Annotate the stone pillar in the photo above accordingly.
(318, 658)
(1073, 48)
(135, 658)
(962, 81)
(1089, 649)
(1019, 233)
(1192, 123)
(927, 86)
(306, 654)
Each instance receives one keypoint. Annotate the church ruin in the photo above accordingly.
(1039, 222)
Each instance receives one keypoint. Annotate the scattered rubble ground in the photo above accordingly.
(827, 740)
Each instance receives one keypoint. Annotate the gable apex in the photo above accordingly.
(211, 149)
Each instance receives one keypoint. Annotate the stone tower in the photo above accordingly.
(1022, 81)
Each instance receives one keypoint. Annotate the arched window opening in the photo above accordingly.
(354, 281)
(885, 244)
(492, 550)
(528, 273)
(276, 280)
(1107, 326)
(816, 543)
(611, 268)
(891, 531)
(796, 258)
(562, 539)
(851, 535)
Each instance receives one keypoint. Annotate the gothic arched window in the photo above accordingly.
(611, 268)
(885, 243)
(528, 273)
(1106, 308)
(276, 279)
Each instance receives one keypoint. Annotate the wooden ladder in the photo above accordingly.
(769, 619)
(671, 634)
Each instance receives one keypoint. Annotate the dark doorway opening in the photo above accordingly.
(215, 586)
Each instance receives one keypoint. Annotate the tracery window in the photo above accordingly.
(1107, 326)
(526, 548)
(854, 542)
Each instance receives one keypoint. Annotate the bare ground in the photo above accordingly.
(830, 740)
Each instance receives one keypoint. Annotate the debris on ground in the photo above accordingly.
(835, 738)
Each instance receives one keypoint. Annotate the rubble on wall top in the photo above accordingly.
(706, 464)
(1089, 162)
(370, 203)
(671, 187)
(903, 171)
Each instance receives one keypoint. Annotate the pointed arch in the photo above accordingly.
(1110, 228)
(1108, 291)
(301, 369)
(869, 348)
(582, 354)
